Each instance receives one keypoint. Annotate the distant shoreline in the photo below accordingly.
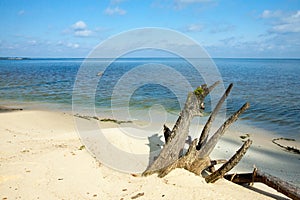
(14, 58)
(125, 58)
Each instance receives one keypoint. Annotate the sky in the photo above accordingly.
(224, 28)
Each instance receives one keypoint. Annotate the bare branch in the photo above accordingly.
(210, 145)
(233, 161)
(284, 187)
(206, 129)
(213, 86)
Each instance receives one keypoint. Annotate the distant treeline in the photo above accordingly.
(13, 58)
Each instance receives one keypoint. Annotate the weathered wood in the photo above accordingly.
(197, 158)
(181, 162)
(176, 140)
(287, 148)
(199, 164)
(210, 88)
(243, 178)
(102, 120)
(211, 168)
(210, 145)
(189, 162)
(276, 183)
(5, 109)
(233, 161)
(194, 160)
(206, 129)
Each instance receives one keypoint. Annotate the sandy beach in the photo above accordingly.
(42, 157)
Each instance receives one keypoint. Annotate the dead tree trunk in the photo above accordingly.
(272, 181)
(175, 139)
(196, 158)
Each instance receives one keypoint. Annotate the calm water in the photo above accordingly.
(270, 85)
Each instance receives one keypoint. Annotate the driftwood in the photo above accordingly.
(196, 159)
(176, 138)
(5, 109)
(102, 120)
(287, 148)
(271, 181)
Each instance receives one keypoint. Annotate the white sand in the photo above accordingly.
(40, 158)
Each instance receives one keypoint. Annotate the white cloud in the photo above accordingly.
(60, 43)
(115, 10)
(192, 1)
(230, 41)
(68, 44)
(180, 4)
(80, 29)
(267, 45)
(282, 38)
(83, 33)
(221, 28)
(32, 42)
(80, 25)
(72, 45)
(270, 14)
(282, 22)
(286, 28)
(290, 23)
(194, 28)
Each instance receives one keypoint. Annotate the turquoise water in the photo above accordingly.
(270, 85)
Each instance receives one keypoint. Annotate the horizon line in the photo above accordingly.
(138, 57)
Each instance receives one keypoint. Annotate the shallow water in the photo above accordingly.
(270, 85)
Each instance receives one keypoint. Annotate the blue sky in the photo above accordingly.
(225, 28)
